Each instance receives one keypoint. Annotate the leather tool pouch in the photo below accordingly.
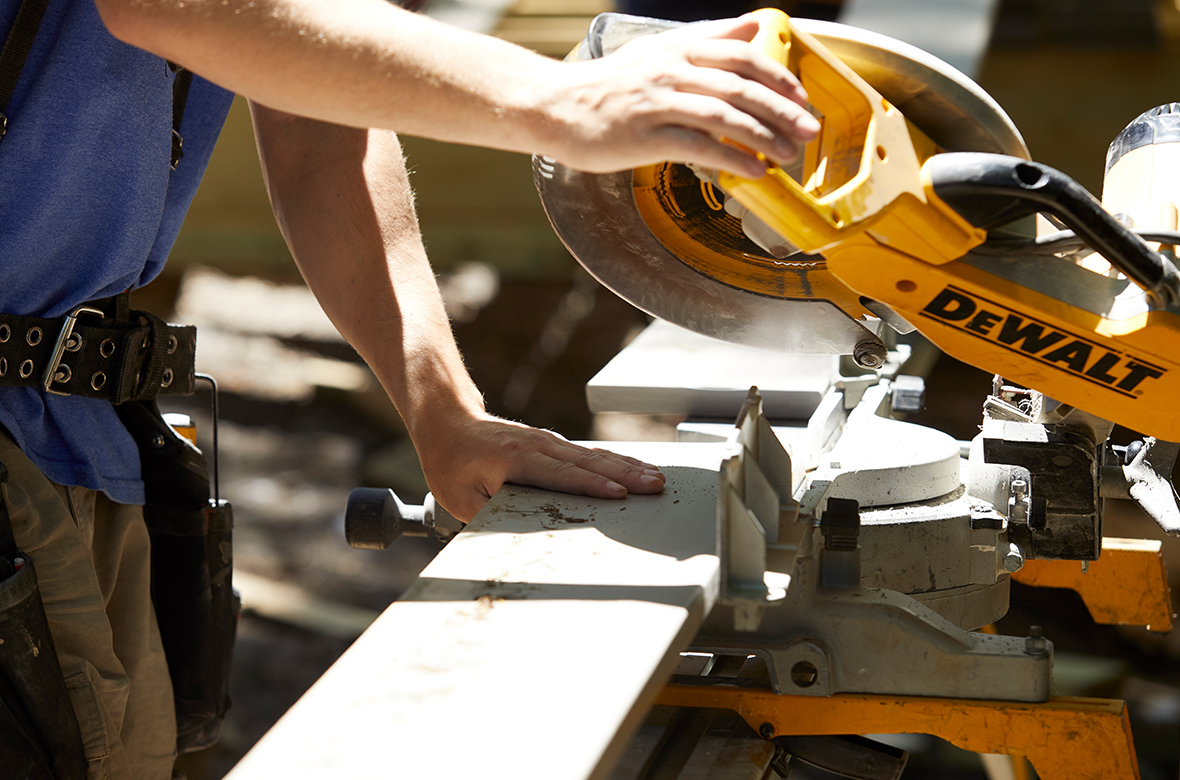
(39, 737)
(192, 560)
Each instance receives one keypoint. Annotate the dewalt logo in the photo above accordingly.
(1044, 343)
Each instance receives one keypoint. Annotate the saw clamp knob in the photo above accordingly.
(375, 518)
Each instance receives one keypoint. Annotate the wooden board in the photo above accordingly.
(531, 647)
(659, 372)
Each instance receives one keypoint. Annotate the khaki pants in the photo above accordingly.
(93, 565)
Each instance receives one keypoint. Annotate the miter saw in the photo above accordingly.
(862, 557)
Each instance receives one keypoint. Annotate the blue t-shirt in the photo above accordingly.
(89, 208)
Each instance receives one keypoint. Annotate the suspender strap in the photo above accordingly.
(180, 87)
(20, 42)
(16, 51)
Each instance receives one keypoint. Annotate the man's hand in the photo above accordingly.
(467, 458)
(675, 95)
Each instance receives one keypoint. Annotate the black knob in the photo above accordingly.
(375, 518)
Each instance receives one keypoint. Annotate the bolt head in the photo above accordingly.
(766, 730)
(869, 354)
(1035, 643)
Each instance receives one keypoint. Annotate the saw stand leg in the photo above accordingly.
(1065, 738)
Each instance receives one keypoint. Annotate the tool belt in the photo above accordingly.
(192, 573)
(100, 349)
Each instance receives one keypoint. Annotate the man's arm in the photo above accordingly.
(368, 63)
(344, 203)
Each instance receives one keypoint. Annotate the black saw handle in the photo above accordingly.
(989, 190)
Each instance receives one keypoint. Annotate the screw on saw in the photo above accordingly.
(869, 354)
(1035, 644)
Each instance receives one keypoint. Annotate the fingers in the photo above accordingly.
(556, 464)
(744, 60)
(751, 80)
(725, 44)
(766, 93)
(685, 95)
(684, 145)
(736, 120)
(560, 465)
(493, 452)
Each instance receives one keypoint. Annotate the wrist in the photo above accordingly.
(542, 110)
(435, 407)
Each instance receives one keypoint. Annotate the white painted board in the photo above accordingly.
(670, 370)
(531, 647)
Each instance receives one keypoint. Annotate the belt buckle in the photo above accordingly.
(51, 374)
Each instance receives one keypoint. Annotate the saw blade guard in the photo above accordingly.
(670, 240)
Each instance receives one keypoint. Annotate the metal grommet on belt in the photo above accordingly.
(63, 373)
(75, 342)
(33, 337)
(167, 379)
(106, 348)
(172, 345)
(98, 381)
(5, 333)
(3, 366)
(26, 369)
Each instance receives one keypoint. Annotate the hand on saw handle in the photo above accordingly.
(468, 457)
(676, 95)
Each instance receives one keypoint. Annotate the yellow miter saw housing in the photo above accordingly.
(912, 209)
(898, 222)
(862, 177)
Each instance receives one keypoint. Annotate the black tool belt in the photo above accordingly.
(100, 349)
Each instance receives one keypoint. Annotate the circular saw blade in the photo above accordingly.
(660, 238)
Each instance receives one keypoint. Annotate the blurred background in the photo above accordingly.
(303, 421)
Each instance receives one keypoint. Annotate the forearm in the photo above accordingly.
(343, 200)
(368, 63)
(363, 63)
(344, 203)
